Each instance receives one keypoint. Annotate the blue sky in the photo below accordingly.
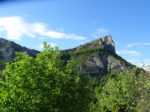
(69, 23)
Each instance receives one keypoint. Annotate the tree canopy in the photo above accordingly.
(45, 84)
(42, 84)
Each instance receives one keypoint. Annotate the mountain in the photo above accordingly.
(96, 57)
(8, 49)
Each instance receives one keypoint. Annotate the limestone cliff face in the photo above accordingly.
(104, 42)
(9, 48)
(96, 57)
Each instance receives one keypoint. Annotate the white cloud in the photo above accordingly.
(51, 44)
(144, 63)
(128, 52)
(137, 44)
(16, 27)
(100, 32)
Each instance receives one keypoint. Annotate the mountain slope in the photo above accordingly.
(96, 57)
(8, 49)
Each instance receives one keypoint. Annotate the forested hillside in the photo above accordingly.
(74, 56)
(73, 81)
(44, 84)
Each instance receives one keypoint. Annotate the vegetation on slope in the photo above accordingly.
(93, 50)
(44, 84)
(123, 91)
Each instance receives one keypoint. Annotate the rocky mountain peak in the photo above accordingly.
(105, 42)
(96, 57)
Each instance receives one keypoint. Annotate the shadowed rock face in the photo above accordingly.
(9, 48)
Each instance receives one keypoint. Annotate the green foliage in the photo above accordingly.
(84, 51)
(2, 64)
(43, 84)
(121, 91)
(144, 90)
(83, 54)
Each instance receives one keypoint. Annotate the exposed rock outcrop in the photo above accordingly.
(96, 57)
(105, 42)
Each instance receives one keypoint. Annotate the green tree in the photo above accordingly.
(144, 90)
(43, 84)
(118, 92)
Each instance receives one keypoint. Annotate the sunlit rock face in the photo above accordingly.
(105, 42)
(96, 57)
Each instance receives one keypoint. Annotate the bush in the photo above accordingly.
(122, 91)
(42, 84)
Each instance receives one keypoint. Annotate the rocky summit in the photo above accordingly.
(96, 57)
(105, 42)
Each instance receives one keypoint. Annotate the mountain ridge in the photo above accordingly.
(94, 58)
(8, 49)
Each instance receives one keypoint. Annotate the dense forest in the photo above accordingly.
(44, 84)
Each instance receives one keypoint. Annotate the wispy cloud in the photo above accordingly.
(128, 52)
(138, 61)
(100, 32)
(16, 27)
(144, 62)
(137, 44)
(134, 56)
